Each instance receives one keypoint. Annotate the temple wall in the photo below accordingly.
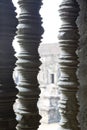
(82, 73)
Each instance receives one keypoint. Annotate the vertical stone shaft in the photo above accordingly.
(68, 60)
(27, 42)
(8, 91)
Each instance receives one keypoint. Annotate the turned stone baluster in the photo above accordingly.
(8, 91)
(26, 46)
(68, 60)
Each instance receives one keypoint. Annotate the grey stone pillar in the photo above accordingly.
(68, 60)
(27, 42)
(8, 91)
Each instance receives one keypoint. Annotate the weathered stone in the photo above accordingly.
(82, 73)
(8, 91)
(27, 40)
(49, 58)
(48, 105)
(68, 60)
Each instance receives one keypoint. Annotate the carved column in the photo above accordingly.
(8, 91)
(68, 60)
(27, 42)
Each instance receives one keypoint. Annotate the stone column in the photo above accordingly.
(26, 46)
(68, 60)
(8, 91)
